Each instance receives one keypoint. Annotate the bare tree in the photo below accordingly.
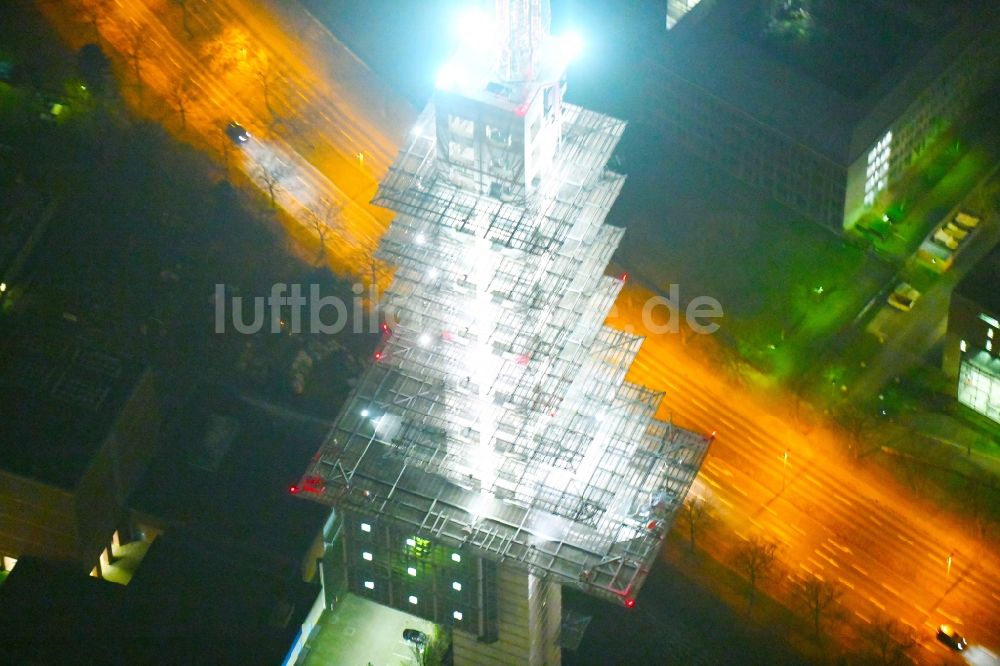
(755, 559)
(889, 640)
(695, 513)
(270, 76)
(271, 171)
(324, 218)
(859, 423)
(135, 50)
(183, 4)
(817, 596)
(180, 97)
(95, 11)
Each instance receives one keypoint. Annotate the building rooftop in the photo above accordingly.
(59, 398)
(225, 470)
(188, 603)
(816, 68)
(497, 416)
(980, 284)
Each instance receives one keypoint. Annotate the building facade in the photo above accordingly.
(80, 427)
(972, 343)
(764, 92)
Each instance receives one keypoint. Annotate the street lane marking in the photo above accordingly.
(951, 617)
(903, 538)
(862, 617)
(843, 499)
(797, 529)
(880, 606)
(844, 582)
(843, 549)
(828, 559)
(859, 569)
(894, 591)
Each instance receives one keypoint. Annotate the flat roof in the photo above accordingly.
(59, 397)
(980, 284)
(816, 68)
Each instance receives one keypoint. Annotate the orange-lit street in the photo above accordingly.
(832, 519)
(324, 131)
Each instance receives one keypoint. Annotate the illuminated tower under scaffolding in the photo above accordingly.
(493, 451)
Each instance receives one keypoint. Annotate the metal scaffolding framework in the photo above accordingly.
(496, 416)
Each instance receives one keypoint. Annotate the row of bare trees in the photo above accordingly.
(818, 599)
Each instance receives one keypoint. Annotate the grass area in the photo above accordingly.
(786, 284)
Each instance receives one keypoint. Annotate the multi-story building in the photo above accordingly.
(493, 452)
(972, 344)
(821, 105)
(79, 426)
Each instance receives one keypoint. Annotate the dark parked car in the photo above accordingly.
(237, 133)
(951, 638)
(416, 637)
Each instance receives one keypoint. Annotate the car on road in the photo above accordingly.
(903, 297)
(955, 231)
(941, 237)
(937, 258)
(966, 220)
(947, 635)
(237, 133)
(416, 637)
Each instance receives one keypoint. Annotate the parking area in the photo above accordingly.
(359, 632)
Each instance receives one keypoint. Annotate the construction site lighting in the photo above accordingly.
(455, 557)
(411, 570)
(476, 29)
(365, 527)
(364, 413)
(456, 586)
(369, 585)
(571, 46)
(413, 599)
(420, 239)
(457, 615)
(424, 340)
(411, 543)
(367, 556)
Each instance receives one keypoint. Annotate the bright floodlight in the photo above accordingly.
(448, 76)
(475, 27)
(571, 45)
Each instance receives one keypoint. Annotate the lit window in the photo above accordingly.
(411, 542)
(367, 556)
(456, 586)
(370, 585)
(411, 570)
(878, 168)
(365, 527)
(457, 615)
(455, 557)
(413, 599)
